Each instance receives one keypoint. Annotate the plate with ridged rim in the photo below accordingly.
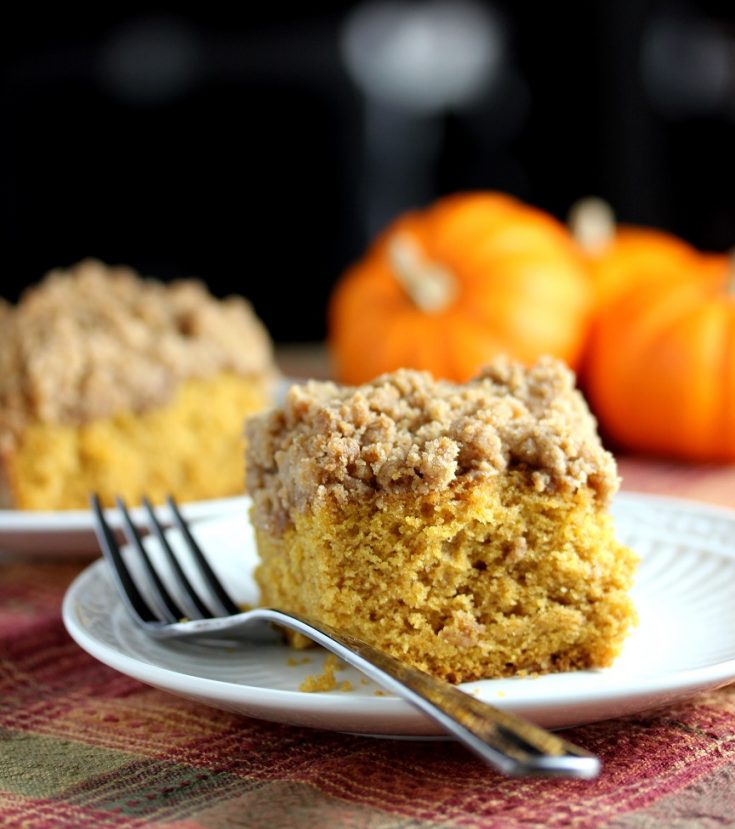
(70, 533)
(684, 643)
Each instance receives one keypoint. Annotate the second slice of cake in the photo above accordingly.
(120, 385)
(462, 528)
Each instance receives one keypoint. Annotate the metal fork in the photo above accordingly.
(508, 743)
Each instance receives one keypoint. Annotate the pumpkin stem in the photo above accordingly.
(592, 223)
(431, 287)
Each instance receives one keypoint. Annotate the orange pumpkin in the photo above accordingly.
(661, 362)
(621, 257)
(448, 288)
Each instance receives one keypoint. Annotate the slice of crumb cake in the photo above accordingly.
(462, 528)
(127, 386)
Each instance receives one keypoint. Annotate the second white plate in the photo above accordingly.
(685, 642)
(70, 533)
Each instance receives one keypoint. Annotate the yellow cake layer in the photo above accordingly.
(489, 579)
(192, 447)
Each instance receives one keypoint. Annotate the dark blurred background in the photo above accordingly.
(260, 149)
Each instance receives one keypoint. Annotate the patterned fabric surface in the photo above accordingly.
(83, 746)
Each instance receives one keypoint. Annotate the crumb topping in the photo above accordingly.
(405, 432)
(92, 340)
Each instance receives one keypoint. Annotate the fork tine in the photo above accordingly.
(167, 607)
(228, 606)
(188, 590)
(136, 604)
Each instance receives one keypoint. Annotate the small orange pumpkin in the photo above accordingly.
(448, 288)
(620, 256)
(661, 361)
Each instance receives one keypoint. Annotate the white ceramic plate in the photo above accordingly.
(685, 594)
(71, 532)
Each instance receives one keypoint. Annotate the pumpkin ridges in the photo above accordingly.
(541, 237)
(533, 328)
(727, 409)
(668, 410)
(371, 284)
(368, 353)
(395, 340)
(694, 342)
(634, 256)
(530, 307)
(354, 331)
(538, 280)
(520, 285)
(369, 339)
(482, 271)
(485, 225)
(547, 240)
(659, 367)
(384, 350)
(531, 265)
(422, 350)
(614, 386)
(437, 357)
(468, 349)
(388, 348)
(457, 220)
(607, 385)
(720, 269)
(644, 313)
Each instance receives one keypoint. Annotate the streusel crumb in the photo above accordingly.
(405, 432)
(326, 680)
(94, 340)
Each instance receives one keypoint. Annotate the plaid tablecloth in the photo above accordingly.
(83, 746)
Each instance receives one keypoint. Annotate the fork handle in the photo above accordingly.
(508, 743)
